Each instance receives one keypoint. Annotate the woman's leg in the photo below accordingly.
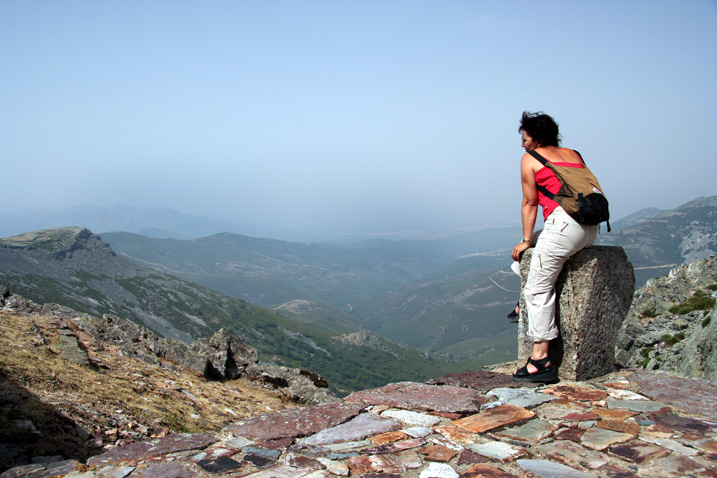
(560, 240)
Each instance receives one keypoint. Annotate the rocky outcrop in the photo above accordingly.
(222, 356)
(672, 324)
(594, 293)
(365, 338)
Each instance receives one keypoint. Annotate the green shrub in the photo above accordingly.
(706, 321)
(649, 313)
(646, 351)
(700, 300)
(712, 287)
(681, 309)
(672, 339)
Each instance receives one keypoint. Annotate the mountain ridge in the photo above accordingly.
(75, 268)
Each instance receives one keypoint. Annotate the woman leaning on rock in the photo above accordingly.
(560, 239)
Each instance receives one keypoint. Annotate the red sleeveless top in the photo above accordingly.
(546, 177)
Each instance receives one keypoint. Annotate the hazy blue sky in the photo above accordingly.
(340, 115)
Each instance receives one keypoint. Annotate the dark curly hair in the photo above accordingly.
(541, 127)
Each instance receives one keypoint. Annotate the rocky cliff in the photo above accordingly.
(672, 324)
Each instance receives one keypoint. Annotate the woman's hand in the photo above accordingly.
(519, 249)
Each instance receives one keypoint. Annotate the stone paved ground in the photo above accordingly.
(475, 424)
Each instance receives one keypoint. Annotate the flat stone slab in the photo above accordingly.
(638, 452)
(457, 434)
(687, 425)
(698, 397)
(495, 418)
(601, 439)
(439, 470)
(440, 453)
(498, 450)
(58, 468)
(419, 396)
(576, 392)
(570, 453)
(484, 470)
(533, 431)
(548, 469)
(520, 397)
(295, 422)
(141, 451)
(360, 427)
(165, 470)
(412, 419)
(642, 406)
(480, 380)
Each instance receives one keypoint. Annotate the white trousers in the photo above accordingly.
(560, 239)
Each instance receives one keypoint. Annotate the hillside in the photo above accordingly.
(75, 268)
(56, 403)
(448, 296)
(656, 245)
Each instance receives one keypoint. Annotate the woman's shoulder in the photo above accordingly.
(561, 155)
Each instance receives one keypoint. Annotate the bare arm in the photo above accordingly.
(529, 205)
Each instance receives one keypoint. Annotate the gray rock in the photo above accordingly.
(300, 386)
(653, 337)
(594, 293)
(360, 427)
(547, 469)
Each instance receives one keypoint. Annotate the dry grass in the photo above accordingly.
(50, 405)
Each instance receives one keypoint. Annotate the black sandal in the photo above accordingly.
(545, 374)
(513, 317)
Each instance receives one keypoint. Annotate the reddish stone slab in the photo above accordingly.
(572, 434)
(571, 454)
(457, 434)
(682, 424)
(418, 396)
(440, 453)
(389, 437)
(295, 422)
(480, 380)
(360, 465)
(165, 470)
(618, 426)
(638, 452)
(394, 447)
(576, 392)
(141, 451)
(494, 418)
(484, 470)
(695, 396)
(612, 414)
(467, 457)
(581, 417)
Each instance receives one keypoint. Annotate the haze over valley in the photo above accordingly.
(446, 297)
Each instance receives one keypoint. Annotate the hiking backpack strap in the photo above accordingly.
(544, 190)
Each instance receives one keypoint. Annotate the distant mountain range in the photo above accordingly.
(75, 268)
(667, 239)
(150, 221)
(446, 296)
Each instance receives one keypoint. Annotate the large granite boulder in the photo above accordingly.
(595, 290)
